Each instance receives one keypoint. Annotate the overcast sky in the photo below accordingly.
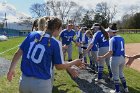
(123, 6)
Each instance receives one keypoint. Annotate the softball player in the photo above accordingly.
(79, 40)
(101, 39)
(67, 36)
(93, 52)
(117, 53)
(85, 44)
(40, 51)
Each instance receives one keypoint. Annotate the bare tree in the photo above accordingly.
(61, 8)
(52, 6)
(107, 12)
(76, 14)
(112, 13)
(39, 10)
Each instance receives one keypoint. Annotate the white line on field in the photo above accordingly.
(9, 49)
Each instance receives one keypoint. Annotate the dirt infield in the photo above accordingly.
(132, 49)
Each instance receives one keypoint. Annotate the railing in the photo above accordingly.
(13, 32)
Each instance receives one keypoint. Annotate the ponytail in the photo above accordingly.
(35, 24)
(104, 33)
(51, 24)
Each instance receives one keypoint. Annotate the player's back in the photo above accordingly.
(118, 46)
(39, 55)
(99, 39)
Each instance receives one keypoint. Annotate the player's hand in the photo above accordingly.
(85, 51)
(65, 47)
(10, 75)
(73, 71)
(130, 61)
(79, 63)
(77, 44)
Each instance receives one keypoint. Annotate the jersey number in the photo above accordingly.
(33, 53)
(103, 39)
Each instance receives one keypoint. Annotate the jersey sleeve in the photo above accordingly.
(83, 38)
(58, 57)
(111, 44)
(94, 39)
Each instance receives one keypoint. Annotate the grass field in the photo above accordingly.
(63, 83)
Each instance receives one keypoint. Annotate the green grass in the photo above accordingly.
(13, 42)
(63, 82)
(131, 38)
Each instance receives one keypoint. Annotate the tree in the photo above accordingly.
(76, 14)
(131, 21)
(105, 13)
(52, 6)
(87, 20)
(125, 21)
(39, 10)
(136, 21)
(61, 8)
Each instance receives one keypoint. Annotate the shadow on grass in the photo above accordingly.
(93, 87)
(90, 86)
(104, 87)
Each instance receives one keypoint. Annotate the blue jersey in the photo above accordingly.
(116, 44)
(38, 58)
(94, 48)
(85, 39)
(78, 36)
(67, 36)
(99, 39)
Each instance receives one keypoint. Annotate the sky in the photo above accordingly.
(123, 6)
(22, 5)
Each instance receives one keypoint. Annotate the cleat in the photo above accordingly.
(113, 91)
(98, 80)
(126, 90)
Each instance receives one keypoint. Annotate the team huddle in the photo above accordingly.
(41, 51)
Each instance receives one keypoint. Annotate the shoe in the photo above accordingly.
(98, 80)
(113, 91)
(126, 90)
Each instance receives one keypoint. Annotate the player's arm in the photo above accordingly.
(136, 56)
(89, 47)
(15, 59)
(94, 41)
(131, 59)
(58, 59)
(66, 65)
(108, 54)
